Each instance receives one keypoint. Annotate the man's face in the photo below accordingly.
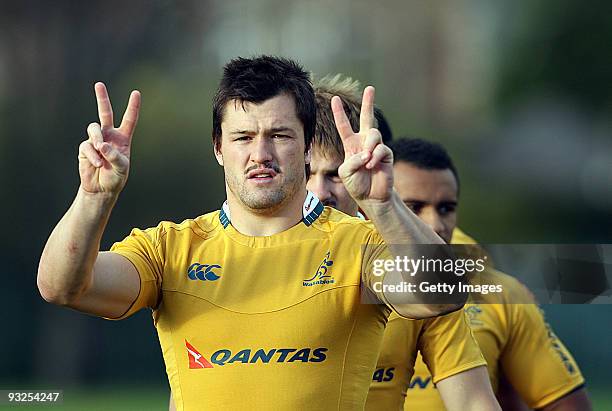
(327, 186)
(262, 152)
(430, 194)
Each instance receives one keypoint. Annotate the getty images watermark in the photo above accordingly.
(431, 267)
(489, 274)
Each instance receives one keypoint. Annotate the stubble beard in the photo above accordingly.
(266, 199)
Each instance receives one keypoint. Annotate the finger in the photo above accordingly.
(381, 154)
(373, 139)
(130, 117)
(342, 122)
(94, 131)
(117, 160)
(105, 110)
(366, 117)
(352, 164)
(87, 150)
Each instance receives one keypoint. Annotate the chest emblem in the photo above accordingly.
(203, 272)
(473, 312)
(322, 276)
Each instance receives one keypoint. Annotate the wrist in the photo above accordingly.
(375, 207)
(100, 200)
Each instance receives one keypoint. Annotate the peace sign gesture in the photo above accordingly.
(367, 171)
(104, 158)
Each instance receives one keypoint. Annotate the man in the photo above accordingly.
(257, 305)
(446, 342)
(522, 352)
(387, 392)
(328, 152)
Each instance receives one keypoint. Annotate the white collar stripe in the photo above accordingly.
(311, 210)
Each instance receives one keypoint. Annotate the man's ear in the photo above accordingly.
(308, 155)
(218, 156)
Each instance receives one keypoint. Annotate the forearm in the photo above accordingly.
(468, 391)
(577, 400)
(397, 224)
(66, 264)
(407, 236)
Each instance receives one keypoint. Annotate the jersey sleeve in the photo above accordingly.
(448, 347)
(535, 361)
(374, 251)
(144, 250)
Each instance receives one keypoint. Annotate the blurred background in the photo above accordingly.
(516, 90)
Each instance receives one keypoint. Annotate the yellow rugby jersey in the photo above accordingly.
(445, 342)
(261, 322)
(516, 341)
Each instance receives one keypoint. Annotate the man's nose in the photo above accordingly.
(262, 151)
(433, 220)
(317, 185)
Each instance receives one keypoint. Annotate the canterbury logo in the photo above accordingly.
(203, 272)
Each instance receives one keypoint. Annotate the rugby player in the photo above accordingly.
(446, 342)
(524, 356)
(257, 305)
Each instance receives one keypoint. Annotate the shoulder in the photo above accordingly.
(514, 291)
(334, 221)
(346, 229)
(460, 237)
(204, 226)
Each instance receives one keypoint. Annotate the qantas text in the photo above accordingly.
(279, 355)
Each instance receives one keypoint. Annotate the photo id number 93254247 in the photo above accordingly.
(30, 396)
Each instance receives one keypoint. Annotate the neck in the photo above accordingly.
(267, 222)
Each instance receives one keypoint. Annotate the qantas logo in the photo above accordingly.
(250, 356)
(203, 272)
(418, 382)
(196, 360)
(383, 374)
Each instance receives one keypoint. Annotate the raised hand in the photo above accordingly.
(104, 158)
(367, 170)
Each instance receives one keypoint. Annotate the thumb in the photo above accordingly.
(117, 160)
(353, 163)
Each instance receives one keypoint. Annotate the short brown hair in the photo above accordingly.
(260, 78)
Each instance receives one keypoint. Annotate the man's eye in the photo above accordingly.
(242, 138)
(333, 177)
(280, 136)
(446, 209)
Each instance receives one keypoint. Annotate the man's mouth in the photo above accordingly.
(262, 174)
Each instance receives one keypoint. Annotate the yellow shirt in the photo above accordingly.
(261, 322)
(516, 341)
(446, 343)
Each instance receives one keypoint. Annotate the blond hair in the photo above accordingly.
(326, 139)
